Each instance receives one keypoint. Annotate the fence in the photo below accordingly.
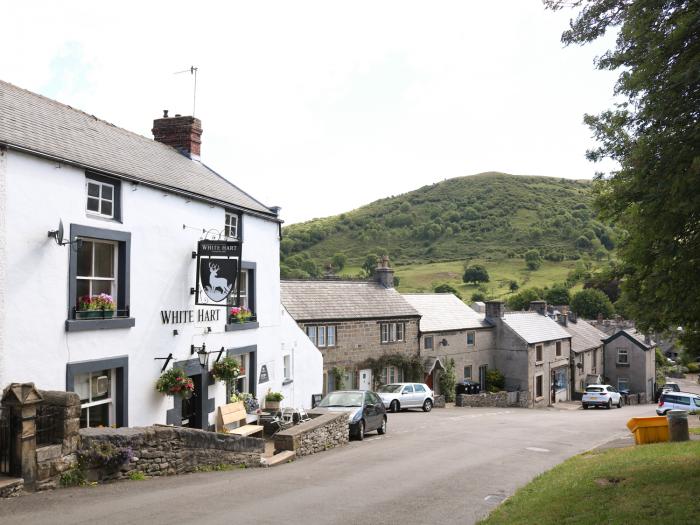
(49, 425)
(8, 422)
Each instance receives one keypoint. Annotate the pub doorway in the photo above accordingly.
(191, 408)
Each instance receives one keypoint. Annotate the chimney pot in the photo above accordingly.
(165, 113)
(383, 274)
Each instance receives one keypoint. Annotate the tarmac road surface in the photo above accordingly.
(451, 465)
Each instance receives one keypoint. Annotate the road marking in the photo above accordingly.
(494, 498)
(535, 449)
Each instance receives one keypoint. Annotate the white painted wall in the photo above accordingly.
(37, 347)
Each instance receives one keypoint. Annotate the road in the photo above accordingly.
(452, 465)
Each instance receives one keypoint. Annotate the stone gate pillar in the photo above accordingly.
(23, 398)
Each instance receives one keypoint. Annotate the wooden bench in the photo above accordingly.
(235, 413)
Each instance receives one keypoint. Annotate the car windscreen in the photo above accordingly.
(595, 389)
(342, 399)
(389, 389)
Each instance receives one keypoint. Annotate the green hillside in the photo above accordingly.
(485, 217)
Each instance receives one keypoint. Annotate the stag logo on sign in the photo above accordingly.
(218, 277)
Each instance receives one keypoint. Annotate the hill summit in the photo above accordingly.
(487, 216)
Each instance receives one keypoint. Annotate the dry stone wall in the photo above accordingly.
(494, 400)
(165, 451)
(321, 433)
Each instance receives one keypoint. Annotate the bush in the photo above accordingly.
(448, 381)
(533, 260)
(478, 296)
(693, 368)
(557, 294)
(446, 288)
(475, 274)
(590, 303)
(495, 380)
(522, 299)
(74, 477)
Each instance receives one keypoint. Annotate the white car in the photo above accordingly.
(397, 396)
(671, 400)
(601, 396)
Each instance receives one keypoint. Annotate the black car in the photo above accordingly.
(365, 409)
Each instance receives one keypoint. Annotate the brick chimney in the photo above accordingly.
(538, 306)
(182, 133)
(383, 274)
(495, 309)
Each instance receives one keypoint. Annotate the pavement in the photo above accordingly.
(451, 465)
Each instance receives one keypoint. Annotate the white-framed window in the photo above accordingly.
(623, 383)
(392, 332)
(96, 391)
(247, 296)
(330, 335)
(622, 357)
(321, 335)
(538, 353)
(242, 379)
(471, 338)
(428, 342)
(231, 225)
(100, 198)
(467, 372)
(287, 360)
(96, 268)
(391, 374)
(311, 333)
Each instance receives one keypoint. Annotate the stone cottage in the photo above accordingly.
(366, 331)
(586, 353)
(630, 362)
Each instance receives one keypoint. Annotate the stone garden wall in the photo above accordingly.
(439, 401)
(635, 399)
(321, 433)
(164, 450)
(54, 459)
(494, 400)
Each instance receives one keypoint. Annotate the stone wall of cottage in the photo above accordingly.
(164, 451)
(359, 340)
(321, 433)
(54, 459)
(474, 356)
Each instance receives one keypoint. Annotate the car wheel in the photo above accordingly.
(427, 405)
(609, 405)
(619, 402)
(361, 431)
(585, 406)
(382, 430)
(394, 407)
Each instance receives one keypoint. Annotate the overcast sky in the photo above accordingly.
(321, 107)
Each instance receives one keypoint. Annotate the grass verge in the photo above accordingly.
(656, 483)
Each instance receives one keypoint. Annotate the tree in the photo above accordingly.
(447, 381)
(475, 274)
(513, 286)
(522, 299)
(338, 261)
(557, 294)
(370, 264)
(654, 135)
(446, 288)
(533, 260)
(590, 303)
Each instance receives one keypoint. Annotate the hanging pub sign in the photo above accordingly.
(218, 273)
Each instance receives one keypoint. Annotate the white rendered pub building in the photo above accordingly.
(132, 212)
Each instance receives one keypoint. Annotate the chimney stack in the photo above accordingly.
(563, 319)
(539, 306)
(495, 309)
(182, 133)
(383, 274)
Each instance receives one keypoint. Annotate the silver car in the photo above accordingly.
(397, 396)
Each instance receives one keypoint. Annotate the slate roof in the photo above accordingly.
(634, 336)
(339, 300)
(584, 336)
(42, 126)
(444, 312)
(534, 328)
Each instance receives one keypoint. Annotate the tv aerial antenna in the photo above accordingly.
(192, 71)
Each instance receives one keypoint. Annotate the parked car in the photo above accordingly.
(678, 401)
(397, 396)
(601, 396)
(671, 387)
(365, 410)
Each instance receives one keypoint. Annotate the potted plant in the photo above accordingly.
(251, 404)
(226, 370)
(96, 306)
(272, 400)
(175, 382)
(239, 314)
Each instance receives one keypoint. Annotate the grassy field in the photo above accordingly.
(424, 277)
(656, 483)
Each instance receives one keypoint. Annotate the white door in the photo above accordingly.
(366, 379)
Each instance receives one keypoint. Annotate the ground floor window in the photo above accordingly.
(96, 391)
(468, 372)
(623, 383)
(391, 374)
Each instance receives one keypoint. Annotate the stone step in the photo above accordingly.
(283, 457)
(10, 486)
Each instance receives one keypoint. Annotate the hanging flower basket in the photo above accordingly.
(226, 370)
(175, 382)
